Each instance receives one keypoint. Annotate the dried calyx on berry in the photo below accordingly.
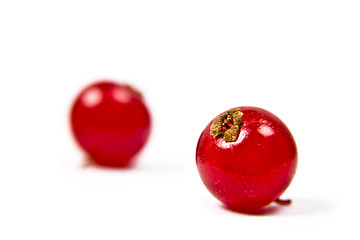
(227, 125)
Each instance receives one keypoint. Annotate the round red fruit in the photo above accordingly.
(111, 123)
(246, 157)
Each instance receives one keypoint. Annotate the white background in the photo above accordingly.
(191, 60)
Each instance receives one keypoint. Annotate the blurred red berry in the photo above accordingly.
(111, 123)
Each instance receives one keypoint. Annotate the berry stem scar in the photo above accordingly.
(227, 126)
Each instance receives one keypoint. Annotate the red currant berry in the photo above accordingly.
(246, 157)
(110, 122)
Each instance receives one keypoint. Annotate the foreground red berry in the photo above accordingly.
(246, 157)
(110, 122)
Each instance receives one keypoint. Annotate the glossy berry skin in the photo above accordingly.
(252, 171)
(110, 122)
